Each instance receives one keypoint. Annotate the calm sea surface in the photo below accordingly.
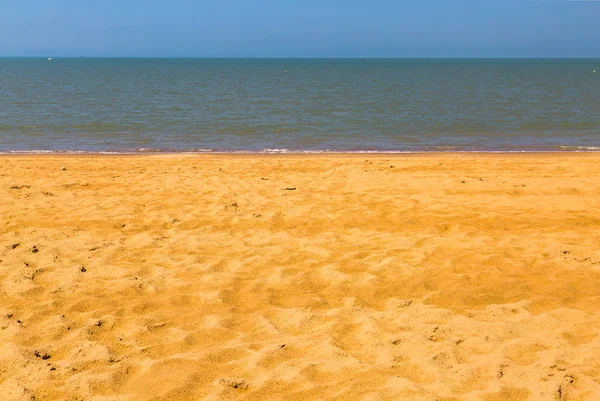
(298, 105)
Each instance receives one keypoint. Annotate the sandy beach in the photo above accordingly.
(346, 277)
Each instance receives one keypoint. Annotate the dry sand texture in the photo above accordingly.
(441, 277)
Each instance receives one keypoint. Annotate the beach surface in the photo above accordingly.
(350, 277)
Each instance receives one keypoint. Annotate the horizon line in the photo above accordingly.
(312, 58)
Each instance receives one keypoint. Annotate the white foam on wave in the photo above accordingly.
(580, 148)
(439, 149)
(62, 152)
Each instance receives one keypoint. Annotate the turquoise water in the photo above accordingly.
(146, 105)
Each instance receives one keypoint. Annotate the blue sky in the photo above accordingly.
(303, 28)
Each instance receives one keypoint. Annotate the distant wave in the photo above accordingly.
(580, 148)
(438, 149)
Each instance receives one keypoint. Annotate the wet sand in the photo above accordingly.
(421, 277)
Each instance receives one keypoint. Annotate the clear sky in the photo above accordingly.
(300, 28)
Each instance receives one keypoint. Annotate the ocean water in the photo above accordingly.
(201, 105)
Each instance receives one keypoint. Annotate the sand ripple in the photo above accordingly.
(445, 277)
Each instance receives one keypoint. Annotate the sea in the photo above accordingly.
(144, 105)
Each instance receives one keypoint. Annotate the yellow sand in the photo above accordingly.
(433, 277)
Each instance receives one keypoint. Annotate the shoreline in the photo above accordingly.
(307, 153)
